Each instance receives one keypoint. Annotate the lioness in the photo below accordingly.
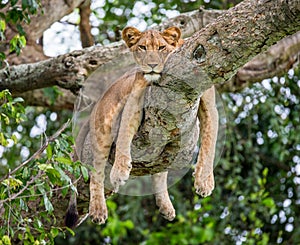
(125, 97)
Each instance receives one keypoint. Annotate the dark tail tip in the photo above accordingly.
(72, 217)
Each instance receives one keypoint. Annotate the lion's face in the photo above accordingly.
(151, 48)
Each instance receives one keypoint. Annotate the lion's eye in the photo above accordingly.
(161, 47)
(142, 47)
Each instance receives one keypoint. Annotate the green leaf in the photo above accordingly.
(14, 138)
(22, 41)
(25, 4)
(12, 182)
(54, 232)
(25, 173)
(49, 152)
(128, 224)
(70, 230)
(269, 202)
(18, 100)
(23, 205)
(265, 172)
(2, 55)
(6, 240)
(84, 172)
(53, 175)
(48, 204)
(2, 25)
(17, 43)
(3, 140)
(45, 167)
(63, 175)
(5, 118)
(64, 160)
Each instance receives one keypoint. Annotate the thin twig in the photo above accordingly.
(52, 190)
(39, 151)
(14, 196)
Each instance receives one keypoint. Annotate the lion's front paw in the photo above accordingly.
(98, 211)
(120, 172)
(204, 186)
(118, 177)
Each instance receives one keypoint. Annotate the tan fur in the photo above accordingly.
(150, 50)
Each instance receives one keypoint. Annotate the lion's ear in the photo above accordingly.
(131, 36)
(172, 36)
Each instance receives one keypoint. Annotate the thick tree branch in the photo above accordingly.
(274, 62)
(68, 71)
(211, 56)
(189, 23)
(70, 76)
(245, 31)
(168, 133)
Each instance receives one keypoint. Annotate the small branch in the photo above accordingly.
(14, 196)
(39, 152)
(86, 37)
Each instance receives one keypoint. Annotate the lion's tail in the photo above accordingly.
(72, 216)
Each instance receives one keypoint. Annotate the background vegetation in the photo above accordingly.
(256, 200)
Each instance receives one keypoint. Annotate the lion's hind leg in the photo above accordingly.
(101, 150)
(97, 208)
(160, 188)
(208, 116)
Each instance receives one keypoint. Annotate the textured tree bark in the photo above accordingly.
(274, 62)
(68, 71)
(211, 56)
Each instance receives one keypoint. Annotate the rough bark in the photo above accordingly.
(211, 56)
(68, 71)
(274, 62)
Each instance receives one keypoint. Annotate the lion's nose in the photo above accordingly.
(152, 65)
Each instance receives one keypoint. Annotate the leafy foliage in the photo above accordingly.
(12, 113)
(16, 14)
(32, 186)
